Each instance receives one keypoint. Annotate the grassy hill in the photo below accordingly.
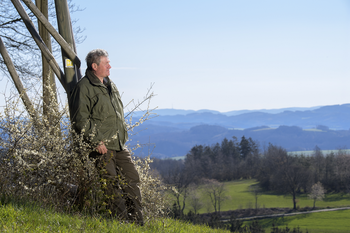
(24, 217)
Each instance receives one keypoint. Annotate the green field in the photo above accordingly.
(239, 197)
(333, 221)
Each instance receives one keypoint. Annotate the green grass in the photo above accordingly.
(31, 218)
(333, 221)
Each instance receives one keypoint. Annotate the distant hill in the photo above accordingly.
(174, 112)
(335, 117)
(271, 111)
(175, 132)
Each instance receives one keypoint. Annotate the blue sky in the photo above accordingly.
(225, 54)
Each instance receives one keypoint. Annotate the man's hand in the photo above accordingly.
(101, 148)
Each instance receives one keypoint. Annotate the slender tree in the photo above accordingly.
(317, 192)
(194, 198)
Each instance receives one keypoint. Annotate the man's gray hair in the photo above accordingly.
(94, 56)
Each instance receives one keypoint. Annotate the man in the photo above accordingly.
(97, 112)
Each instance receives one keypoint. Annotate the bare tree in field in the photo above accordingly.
(317, 192)
(216, 192)
(256, 191)
(180, 180)
(194, 198)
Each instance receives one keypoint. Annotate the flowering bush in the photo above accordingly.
(43, 160)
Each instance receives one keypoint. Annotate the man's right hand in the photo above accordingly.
(101, 148)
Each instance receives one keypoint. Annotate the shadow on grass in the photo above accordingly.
(336, 197)
(24, 203)
(256, 186)
(18, 202)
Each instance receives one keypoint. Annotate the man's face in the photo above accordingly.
(102, 70)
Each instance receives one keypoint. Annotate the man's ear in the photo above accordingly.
(94, 66)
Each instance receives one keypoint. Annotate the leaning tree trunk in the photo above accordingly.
(71, 70)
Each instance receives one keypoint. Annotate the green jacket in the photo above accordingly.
(96, 111)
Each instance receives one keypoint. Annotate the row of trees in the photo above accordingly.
(274, 168)
(229, 160)
(206, 166)
(294, 174)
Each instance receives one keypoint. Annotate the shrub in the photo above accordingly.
(45, 161)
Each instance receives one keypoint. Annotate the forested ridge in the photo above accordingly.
(171, 142)
(175, 132)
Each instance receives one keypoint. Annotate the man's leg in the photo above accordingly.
(113, 191)
(124, 161)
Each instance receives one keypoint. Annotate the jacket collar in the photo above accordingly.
(96, 81)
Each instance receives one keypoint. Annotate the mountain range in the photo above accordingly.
(174, 132)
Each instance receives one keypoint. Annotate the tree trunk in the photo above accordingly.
(294, 201)
(48, 78)
(65, 28)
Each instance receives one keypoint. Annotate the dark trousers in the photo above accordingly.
(122, 179)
